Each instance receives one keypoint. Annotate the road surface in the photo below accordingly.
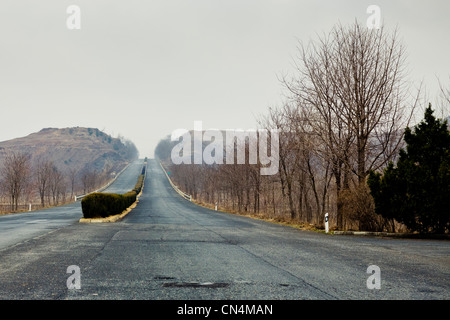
(18, 227)
(169, 248)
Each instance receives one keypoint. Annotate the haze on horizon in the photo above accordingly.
(145, 69)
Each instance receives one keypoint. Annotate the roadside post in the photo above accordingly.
(326, 222)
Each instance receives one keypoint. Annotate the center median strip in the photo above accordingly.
(113, 218)
(95, 206)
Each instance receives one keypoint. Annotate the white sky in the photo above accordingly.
(145, 68)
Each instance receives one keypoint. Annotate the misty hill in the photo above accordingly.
(77, 148)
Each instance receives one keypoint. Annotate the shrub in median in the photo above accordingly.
(139, 184)
(129, 197)
(102, 205)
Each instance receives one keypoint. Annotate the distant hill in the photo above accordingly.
(77, 149)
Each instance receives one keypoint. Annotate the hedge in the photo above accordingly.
(140, 183)
(102, 205)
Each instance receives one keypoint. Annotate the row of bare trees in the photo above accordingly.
(343, 115)
(42, 181)
(347, 106)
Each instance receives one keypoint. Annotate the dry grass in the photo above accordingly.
(264, 217)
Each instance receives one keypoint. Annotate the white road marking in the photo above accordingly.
(37, 221)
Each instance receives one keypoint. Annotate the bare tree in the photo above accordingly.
(15, 174)
(56, 184)
(72, 178)
(89, 180)
(444, 100)
(350, 86)
(287, 157)
(42, 174)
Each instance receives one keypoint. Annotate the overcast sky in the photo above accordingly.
(145, 68)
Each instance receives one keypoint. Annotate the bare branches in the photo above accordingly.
(444, 101)
(351, 85)
(42, 175)
(346, 110)
(15, 176)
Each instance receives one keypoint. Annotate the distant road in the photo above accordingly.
(18, 227)
(169, 248)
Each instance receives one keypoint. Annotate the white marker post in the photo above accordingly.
(326, 222)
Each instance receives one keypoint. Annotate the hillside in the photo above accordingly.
(76, 149)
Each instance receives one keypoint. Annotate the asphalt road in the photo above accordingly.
(169, 248)
(18, 227)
